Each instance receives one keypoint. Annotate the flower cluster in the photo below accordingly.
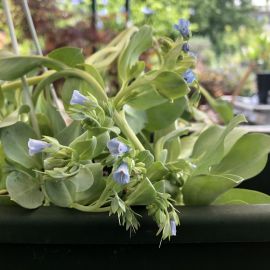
(78, 98)
(117, 148)
(183, 28)
(189, 76)
(36, 146)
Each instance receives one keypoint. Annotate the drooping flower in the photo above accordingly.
(185, 47)
(103, 12)
(173, 227)
(189, 76)
(76, 2)
(147, 11)
(183, 28)
(78, 98)
(121, 175)
(104, 2)
(36, 146)
(116, 147)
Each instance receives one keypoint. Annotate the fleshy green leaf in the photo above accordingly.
(69, 133)
(238, 195)
(68, 55)
(69, 86)
(135, 118)
(146, 97)
(2, 168)
(60, 193)
(24, 190)
(170, 85)
(247, 157)
(144, 194)
(204, 189)
(102, 140)
(222, 107)
(83, 180)
(146, 157)
(1, 98)
(55, 120)
(93, 71)
(10, 120)
(96, 189)
(93, 86)
(161, 116)
(14, 67)
(140, 42)
(86, 148)
(156, 171)
(14, 140)
(209, 148)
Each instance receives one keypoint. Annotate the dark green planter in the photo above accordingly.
(209, 237)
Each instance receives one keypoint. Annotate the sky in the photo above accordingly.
(260, 2)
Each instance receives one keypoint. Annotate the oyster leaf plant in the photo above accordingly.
(119, 151)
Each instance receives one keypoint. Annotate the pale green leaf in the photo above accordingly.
(144, 194)
(61, 192)
(14, 140)
(24, 190)
(15, 67)
(170, 85)
(135, 118)
(161, 116)
(68, 55)
(237, 195)
(69, 133)
(83, 180)
(247, 157)
(140, 42)
(204, 189)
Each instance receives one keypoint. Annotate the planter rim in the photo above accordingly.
(199, 224)
(265, 72)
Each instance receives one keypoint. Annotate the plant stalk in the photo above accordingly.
(87, 208)
(39, 50)
(120, 120)
(3, 192)
(30, 81)
(26, 91)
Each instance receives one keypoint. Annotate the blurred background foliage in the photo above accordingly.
(228, 35)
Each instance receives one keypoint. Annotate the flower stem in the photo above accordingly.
(3, 192)
(30, 81)
(120, 95)
(120, 120)
(87, 208)
(26, 91)
(39, 51)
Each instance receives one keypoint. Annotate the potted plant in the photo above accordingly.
(258, 53)
(129, 155)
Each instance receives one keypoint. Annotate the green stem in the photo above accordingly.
(145, 141)
(103, 199)
(126, 91)
(88, 208)
(30, 81)
(120, 120)
(120, 95)
(99, 93)
(114, 47)
(159, 145)
(39, 50)
(26, 90)
(208, 97)
(3, 192)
